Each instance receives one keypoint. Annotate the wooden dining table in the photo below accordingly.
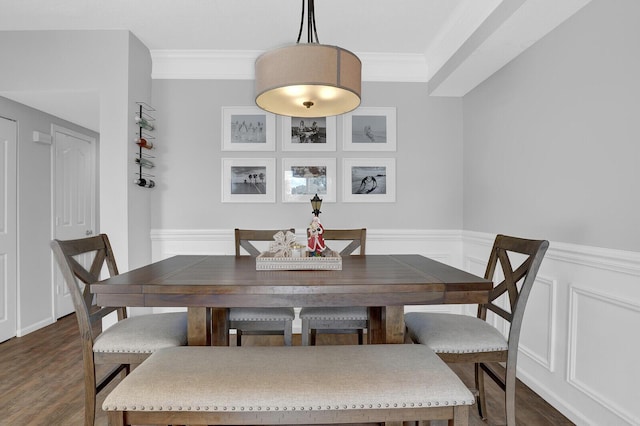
(209, 285)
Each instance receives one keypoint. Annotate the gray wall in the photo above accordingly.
(429, 162)
(117, 66)
(552, 141)
(34, 210)
(99, 61)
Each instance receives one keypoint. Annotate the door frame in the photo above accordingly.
(55, 128)
(16, 291)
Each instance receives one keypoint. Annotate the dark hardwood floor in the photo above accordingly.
(41, 381)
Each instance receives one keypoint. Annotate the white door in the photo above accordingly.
(74, 197)
(8, 229)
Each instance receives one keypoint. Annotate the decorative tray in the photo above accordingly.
(331, 261)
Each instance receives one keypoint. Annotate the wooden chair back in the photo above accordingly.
(245, 236)
(357, 236)
(525, 273)
(252, 322)
(79, 280)
(333, 319)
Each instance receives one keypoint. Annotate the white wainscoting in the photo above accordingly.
(580, 333)
(580, 338)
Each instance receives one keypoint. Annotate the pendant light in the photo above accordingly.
(308, 80)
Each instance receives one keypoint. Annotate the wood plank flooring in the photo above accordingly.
(41, 381)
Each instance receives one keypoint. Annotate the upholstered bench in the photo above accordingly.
(289, 385)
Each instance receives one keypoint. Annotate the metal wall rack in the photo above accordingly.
(144, 141)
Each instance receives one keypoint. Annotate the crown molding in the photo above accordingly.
(470, 48)
(239, 65)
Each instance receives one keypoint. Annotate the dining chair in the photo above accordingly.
(337, 320)
(259, 321)
(461, 338)
(130, 340)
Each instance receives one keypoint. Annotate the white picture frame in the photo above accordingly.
(369, 129)
(358, 188)
(302, 178)
(248, 129)
(319, 133)
(248, 180)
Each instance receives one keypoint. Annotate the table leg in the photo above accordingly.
(394, 324)
(386, 325)
(198, 326)
(375, 331)
(220, 327)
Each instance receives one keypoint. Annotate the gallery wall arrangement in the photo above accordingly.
(254, 180)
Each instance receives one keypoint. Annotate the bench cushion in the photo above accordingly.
(289, 378)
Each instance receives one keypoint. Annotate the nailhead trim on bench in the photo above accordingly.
(258, 408)
(363, 377)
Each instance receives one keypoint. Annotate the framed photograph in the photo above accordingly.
(370, 129)
(248, 180)
(369, 180)
(248, 129)
(302, 178)
(308, 134)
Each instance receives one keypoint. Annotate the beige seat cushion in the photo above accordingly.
(261, 314)
(289, 378)
(449, 333)
(337, 313)
(144, 334)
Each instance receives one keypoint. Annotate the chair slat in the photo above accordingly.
(253, 321)
(250, 248)
(101, 313)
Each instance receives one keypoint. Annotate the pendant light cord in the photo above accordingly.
(311, 23)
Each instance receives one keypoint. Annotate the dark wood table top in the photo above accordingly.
(230, 281)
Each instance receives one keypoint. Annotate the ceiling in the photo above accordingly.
(451, 44)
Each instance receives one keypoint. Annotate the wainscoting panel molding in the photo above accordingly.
(579, 337)
(596, 339)
(537, 339)
(580, 334)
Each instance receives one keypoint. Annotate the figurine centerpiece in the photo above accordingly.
(315, 240)
(285, 254)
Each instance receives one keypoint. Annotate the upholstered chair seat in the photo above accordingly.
(262, 314)
(454, 333)
(143, 334)
(335, 313)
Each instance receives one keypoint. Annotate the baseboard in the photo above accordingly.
(35, 326)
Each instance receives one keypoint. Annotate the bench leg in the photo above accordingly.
(460, 416)
(116, 418)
